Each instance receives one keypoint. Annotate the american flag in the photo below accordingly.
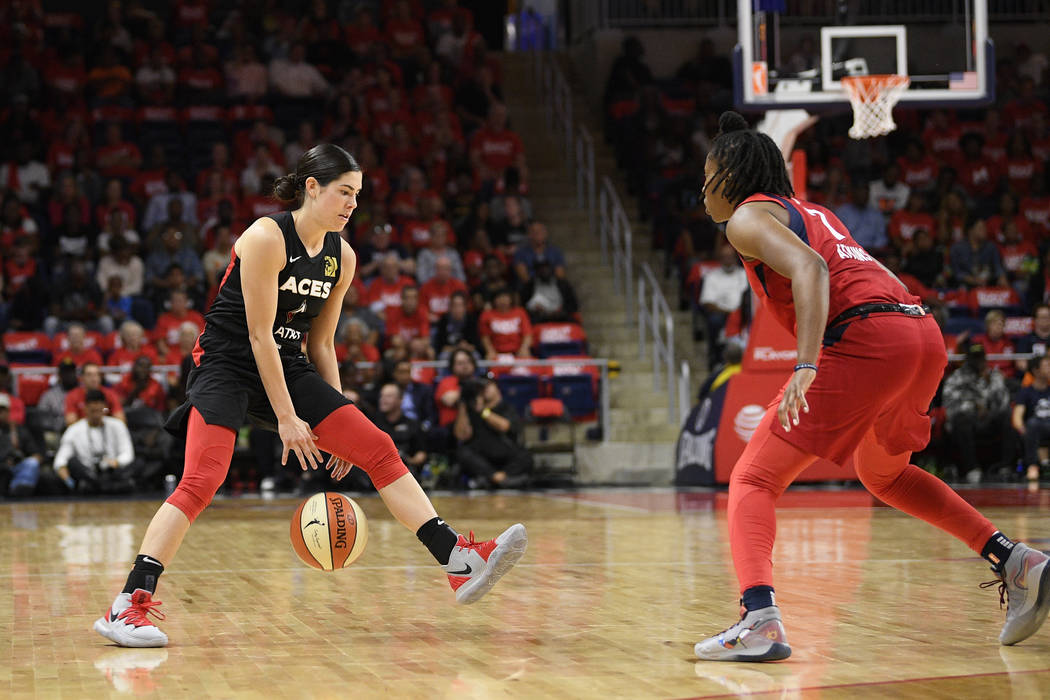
(962, 81)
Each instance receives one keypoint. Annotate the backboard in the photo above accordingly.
(785, 61)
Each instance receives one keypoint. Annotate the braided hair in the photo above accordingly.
(748, 161)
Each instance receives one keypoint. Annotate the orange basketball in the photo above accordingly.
(329, 531)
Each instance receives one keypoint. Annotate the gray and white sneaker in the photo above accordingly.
(759, 636)
(1024, 586)
(127, 622)
(474, 567)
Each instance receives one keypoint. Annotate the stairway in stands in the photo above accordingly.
(640, 447)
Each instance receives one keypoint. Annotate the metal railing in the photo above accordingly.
(585, 183)
(160, 372)
(656, 329)
(685, 391)
(607, 218)
(615, 233)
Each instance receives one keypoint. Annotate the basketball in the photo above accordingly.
(329, 531)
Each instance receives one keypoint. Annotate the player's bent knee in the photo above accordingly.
(191, 504)
(348, 434)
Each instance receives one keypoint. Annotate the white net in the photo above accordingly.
(873, 98)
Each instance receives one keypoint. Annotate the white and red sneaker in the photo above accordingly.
(474, 567)
(127, 622)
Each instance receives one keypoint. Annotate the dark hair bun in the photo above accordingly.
(285, 188)
(731, 121)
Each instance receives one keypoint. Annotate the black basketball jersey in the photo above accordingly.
(303, 285)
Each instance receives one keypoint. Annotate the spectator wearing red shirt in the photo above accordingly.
(355, 346)
(132, 345)
(941, 138)
(67, 77)
(978, 176)
(1019, 256)
(994, 341)
(220, 165)
(405, 203)
(201, 82)
(505, 329)
(118, 158)
(436, 293)
(404, 34)
(78, 351)
(138, 390)
(1039, 135)
(113, 198)
(91, 378)
(1020, 111)
(68, 194)
(410, 319)
(918, 170)
(401, 152)
(151, 180)
(906, 222)
(362, 33)
(385, 290)
(994, 137)
(61, 155)
(24, 284)
(191, 13)
(1008, 214)
(494, 148)
(169, 323)
(1021, 167)
(1036, 206)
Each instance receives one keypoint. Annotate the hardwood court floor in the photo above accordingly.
(607, 603)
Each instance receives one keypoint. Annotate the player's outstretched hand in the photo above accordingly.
(795, 398)
(297, 437)
(339, 467)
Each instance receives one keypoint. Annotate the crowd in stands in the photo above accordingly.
(140, 145)
(955, 202)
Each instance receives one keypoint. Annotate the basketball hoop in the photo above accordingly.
(873, 98)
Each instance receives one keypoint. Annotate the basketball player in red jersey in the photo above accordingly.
(286, 280)
(869, 362)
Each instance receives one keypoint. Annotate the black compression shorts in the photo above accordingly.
(225, 387)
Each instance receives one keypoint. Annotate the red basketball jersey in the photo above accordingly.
(854, 277)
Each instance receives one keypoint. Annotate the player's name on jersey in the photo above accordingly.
(852, 252)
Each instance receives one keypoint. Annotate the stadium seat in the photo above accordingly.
(519, 389)
(955, 325)
(1018, 326)
(28, 347)
(576, 391)
(560, 339)
(32, 386)
(205, 124)
(92, 339)
(161, 125)
(550, 435)
(984, 299)
(243, 116)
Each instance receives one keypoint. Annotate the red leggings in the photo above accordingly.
(346, 433)
(769, 464)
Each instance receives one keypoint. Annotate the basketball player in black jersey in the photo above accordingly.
(285, 285)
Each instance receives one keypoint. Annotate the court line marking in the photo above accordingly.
(414, 567)
(596, 504)
(862, 684)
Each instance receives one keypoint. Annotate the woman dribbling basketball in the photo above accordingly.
(285, 282)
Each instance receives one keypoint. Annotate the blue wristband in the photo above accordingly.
(805, 365)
